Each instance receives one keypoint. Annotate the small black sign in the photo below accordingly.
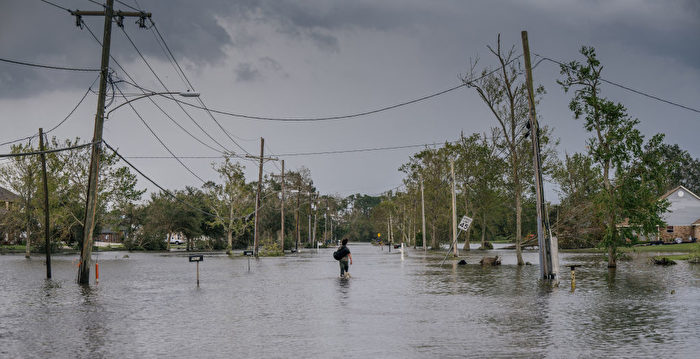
(199, 258)
(247, 253)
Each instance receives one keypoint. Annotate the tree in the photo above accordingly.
(230, 201)
(684, 169)
(577, 224)
(632, 173)
(481, 173)
(505, 93)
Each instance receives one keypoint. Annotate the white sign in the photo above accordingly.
(465, 223)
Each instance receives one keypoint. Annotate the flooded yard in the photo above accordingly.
(148, 305)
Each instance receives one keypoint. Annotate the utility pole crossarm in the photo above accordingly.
(114, 13)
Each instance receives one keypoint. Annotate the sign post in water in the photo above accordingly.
(197, 258)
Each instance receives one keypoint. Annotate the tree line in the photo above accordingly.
(608, 195)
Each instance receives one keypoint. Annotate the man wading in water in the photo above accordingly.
(343, 255)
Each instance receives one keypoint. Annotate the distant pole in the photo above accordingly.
(298, 214)
(388, 232)
(256, 235)
(47, 241)
(422, 205)
(454, 210)
(282, 211)
(548, 258)
(310, 209)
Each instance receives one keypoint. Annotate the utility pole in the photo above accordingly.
(549, 261)
(91, 201)
(454, 210)
(256, 233)
(282, 210)
(310, 209)
(296, 245)
(47, 241)
(422, 206)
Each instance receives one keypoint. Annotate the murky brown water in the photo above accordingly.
(148, 305)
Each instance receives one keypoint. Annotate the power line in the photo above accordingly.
(156, 104)
(199, 99)
(23, 154)
(166, 88)
(161, 141)
(60, 123)
(156, 184)
(172, 195)
(58, 6)
(328, 118)
(307, 153)
(349, 116)
(361, 149)
(638, 92)
(52, 67)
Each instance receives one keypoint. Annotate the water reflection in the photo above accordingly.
(296, 306)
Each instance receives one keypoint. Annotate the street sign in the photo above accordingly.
(465, 223)
(197, 258)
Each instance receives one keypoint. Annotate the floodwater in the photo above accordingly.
(148, 305)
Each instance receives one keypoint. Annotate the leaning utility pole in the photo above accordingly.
(454, 210)
(282, 211)
(47, 241)
(549, 261)
(91, 201)
(422, 211)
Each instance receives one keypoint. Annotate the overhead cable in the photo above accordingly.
(171, 97)
(52, 67)
(639, 92)
(161, 141)
(58, 6)
(23, 154)
(60, 123)
(155, 103)
(199, 99)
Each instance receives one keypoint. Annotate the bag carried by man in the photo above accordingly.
(340, 253)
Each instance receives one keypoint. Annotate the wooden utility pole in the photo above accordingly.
(454, 210)
(256, 234)
(91, 201)
(47, 240)
(282, 211)
(422, 211)
(549, 261)
(296, 245)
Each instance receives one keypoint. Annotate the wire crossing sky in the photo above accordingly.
(327, 82)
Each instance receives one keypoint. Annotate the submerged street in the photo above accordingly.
(148, 305)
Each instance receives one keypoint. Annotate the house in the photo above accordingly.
(111, 235)
(683, 215)
(7, 198)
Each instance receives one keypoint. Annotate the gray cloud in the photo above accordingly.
(245, 72)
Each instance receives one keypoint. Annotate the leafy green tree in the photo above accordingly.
(481, 173)
(684, 169)
(230, 201)
(632, 173)
(577, 224)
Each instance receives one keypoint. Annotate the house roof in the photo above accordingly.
(676, 189)
(697, 223)
(6, 195)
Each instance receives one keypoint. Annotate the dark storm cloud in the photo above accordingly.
(37, 32)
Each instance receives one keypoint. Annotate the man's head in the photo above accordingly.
(345, 241)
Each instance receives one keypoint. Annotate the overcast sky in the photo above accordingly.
(322, 58)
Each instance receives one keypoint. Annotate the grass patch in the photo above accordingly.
(669, 248)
